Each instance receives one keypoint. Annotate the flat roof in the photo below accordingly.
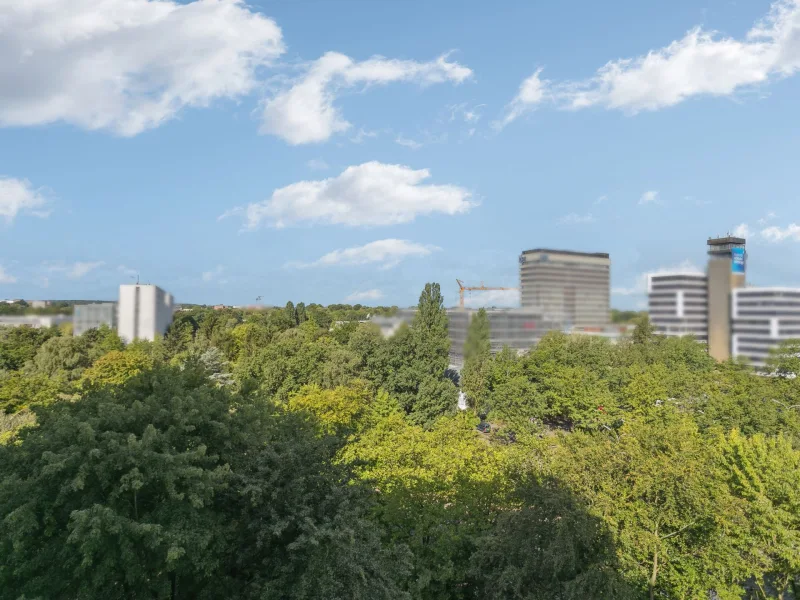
(569, 252)
(725, 240)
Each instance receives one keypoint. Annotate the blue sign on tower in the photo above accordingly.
(737, 264)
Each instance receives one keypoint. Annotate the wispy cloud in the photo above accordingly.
(649, 197)
(577, 219)
(408, 143)
(365, 296)
(209, 276)
(6, 277)
(317, 164)
(601, 199)
(387, 253)
(75, 270)
(639, 286)
(490, 298)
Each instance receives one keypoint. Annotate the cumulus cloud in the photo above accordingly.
(372, 193)
(743, 231)
(779, 234)
(18, 196)
(305, 112)
(649, 197)
(126, 65)
(367, 295)
(639, 286)
(490, 298)
(388, 253)
(576, 219)
(75, 270)
(6, 277)
(701, 63)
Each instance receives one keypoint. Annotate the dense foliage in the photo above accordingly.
(295, 453)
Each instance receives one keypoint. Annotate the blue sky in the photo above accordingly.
(326, 150)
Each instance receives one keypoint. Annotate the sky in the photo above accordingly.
(351, 151)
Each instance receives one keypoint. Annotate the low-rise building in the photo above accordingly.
(92, 316)
(34, 320)
(762, 318)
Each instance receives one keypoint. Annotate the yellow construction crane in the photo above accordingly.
(475, 288)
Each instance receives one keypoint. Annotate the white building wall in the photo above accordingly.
(762, 319)
(145, 312)
(678, 304)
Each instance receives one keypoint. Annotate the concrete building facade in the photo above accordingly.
(35, 321)
(762, 318)
(144, 312)
(92, 316)
(726, 272)
(678, 304)
(570, 287)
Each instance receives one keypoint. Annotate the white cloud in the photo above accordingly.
(767, 218)
(6, 277)
(466, 113)
(649, 197)
(492, 298)
(743, 231)
(601, 199)
(639, 286)
(372, 193)
(408, 143)
(388, 252)
(531, 93)
(367, 295)
(575, 218)
(213, 274)
(18, 196)
(700, 63)
(75, 270)
(317, 164)
(779, 234)
(305, 112)
(362, 135)
(126, 65)
(128, 271)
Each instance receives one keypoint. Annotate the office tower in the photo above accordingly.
(92, 316)
(569, 287)
(762, 319)
(678, 304)
(726, 272)
(145, 311)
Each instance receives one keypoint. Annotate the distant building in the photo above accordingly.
(762, 318)
(39, 303)
(92, 316)
(144, 312)
(726, 272)
(518, 328)
(34, 320)
(678, 304)
(570, 287)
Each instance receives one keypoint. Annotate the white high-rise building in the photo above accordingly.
(144, 312)
(678, 304)
(762, 318)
